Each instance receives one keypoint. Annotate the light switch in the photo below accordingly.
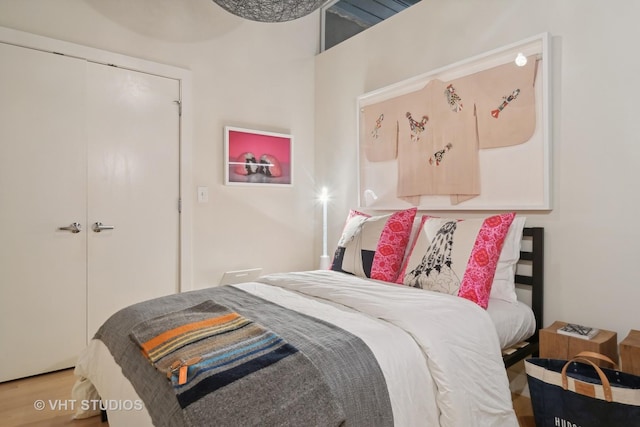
(203, 194)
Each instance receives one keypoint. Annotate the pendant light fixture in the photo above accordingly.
(270, 10)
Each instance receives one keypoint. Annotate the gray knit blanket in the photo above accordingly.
(305, 372)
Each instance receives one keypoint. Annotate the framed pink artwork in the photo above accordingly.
(257, 158)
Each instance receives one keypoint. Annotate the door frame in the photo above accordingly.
(46, 44)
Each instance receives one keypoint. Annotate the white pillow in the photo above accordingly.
(504, 286)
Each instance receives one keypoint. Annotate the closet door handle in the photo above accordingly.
(74, 227)
(98, 227)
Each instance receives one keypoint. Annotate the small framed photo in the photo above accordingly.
(257, 158)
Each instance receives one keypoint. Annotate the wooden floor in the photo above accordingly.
(19, 399)
(520, 395)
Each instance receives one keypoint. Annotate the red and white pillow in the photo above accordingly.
(458, 257)
(374, 246)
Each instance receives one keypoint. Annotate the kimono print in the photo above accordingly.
(435, 133)
(438, 155)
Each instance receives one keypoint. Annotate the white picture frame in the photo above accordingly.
(272, 161)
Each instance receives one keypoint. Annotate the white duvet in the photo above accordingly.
(440, 354)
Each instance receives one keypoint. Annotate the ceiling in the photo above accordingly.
(369, 12)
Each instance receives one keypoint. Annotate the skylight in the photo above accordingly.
(342, 19)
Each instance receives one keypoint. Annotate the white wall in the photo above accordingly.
(245, 74)
(591, 233)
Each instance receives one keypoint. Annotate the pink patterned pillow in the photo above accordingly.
(373, 246)
(458, 257)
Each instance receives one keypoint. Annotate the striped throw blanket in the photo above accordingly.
(207, 347)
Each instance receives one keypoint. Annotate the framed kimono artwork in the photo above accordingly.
(471, 136)
(257, 157)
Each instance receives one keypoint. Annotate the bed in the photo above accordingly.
(349, 349)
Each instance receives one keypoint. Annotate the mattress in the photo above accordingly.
(514, 322)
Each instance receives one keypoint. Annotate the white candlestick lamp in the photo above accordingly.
(324, 258)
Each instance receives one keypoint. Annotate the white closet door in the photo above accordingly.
(133, 151)
(42, 187)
